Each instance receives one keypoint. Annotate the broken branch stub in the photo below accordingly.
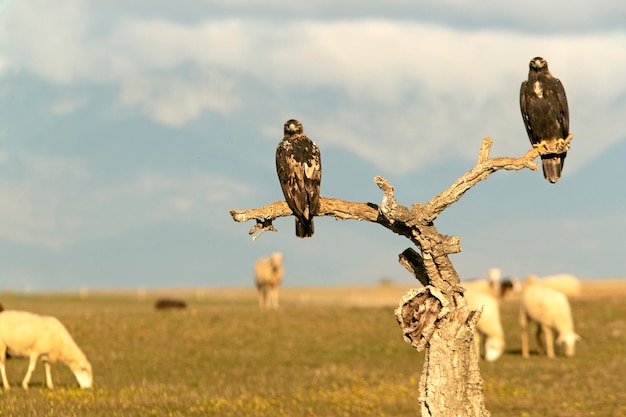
(418, 313)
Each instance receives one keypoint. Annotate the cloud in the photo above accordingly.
(573, 17)
(45, 39)
(52, 202)
(175, 101)
(433, 92)
(398, 92)
(67, 105)
(547, 256)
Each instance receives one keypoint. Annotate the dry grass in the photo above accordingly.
(327, 352)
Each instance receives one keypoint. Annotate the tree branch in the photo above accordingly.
(485, 167)
(390, 214)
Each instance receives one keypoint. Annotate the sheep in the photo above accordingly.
(490, 286)
(494, 274)
(7, 356)
(550, 309)
(494, 285)
(36, 336)
(489, 325)
(564, 283)
(509, 285)
(268, 273)
(480, 285)
(169, 304)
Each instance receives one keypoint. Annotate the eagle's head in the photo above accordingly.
(292, 127)
(538, 64)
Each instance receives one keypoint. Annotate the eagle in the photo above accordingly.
(546, 116)
(299, 170)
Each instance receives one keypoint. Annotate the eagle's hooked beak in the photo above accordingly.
(292, 127)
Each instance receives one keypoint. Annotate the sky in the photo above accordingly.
(129, 129)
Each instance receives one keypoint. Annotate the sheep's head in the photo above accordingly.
(277, 258)
(493, 348)
(509, 285)
(568, 342)
(494, 274)
(83, 374)
(276, 261)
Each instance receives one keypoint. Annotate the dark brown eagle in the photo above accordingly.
(299, 169)
(546, 115)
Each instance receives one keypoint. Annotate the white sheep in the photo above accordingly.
(491, 285)
(483, 286)
(494, 274)
(36, 336)
(564, 283)
(489, 325)
(550, 309)
(268, 273)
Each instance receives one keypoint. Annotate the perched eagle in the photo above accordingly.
(299, 169)
(546, 115)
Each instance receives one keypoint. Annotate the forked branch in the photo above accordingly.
(390, 214)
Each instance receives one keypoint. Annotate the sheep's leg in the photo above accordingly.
(523, 321)
(261, 298)
(269, 301)
(31, 368)
(541, 340)
(274, 297)
(264, 301)
(48, 375)
(5, 381)
(549, 337)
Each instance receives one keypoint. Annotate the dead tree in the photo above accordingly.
(434, 317)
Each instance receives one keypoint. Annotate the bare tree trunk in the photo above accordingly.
(435, 317)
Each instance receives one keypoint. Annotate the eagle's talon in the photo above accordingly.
(562, 145)
(541, 146)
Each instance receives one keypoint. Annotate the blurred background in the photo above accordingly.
(129, 129)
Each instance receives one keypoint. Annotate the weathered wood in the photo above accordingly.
(436, 317)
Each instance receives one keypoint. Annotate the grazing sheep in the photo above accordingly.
(494, 285)
(268, 273)
(563, 283)
(489, 325)
(6, 354)
(169, 304)
(35, 336)
(490, 286)
(509, 285)
(494, 274)
(550, 309)
(480, 285)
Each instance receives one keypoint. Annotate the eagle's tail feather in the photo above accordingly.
(304, 227)
(552, 166)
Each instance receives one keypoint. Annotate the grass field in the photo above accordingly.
(327, 352)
